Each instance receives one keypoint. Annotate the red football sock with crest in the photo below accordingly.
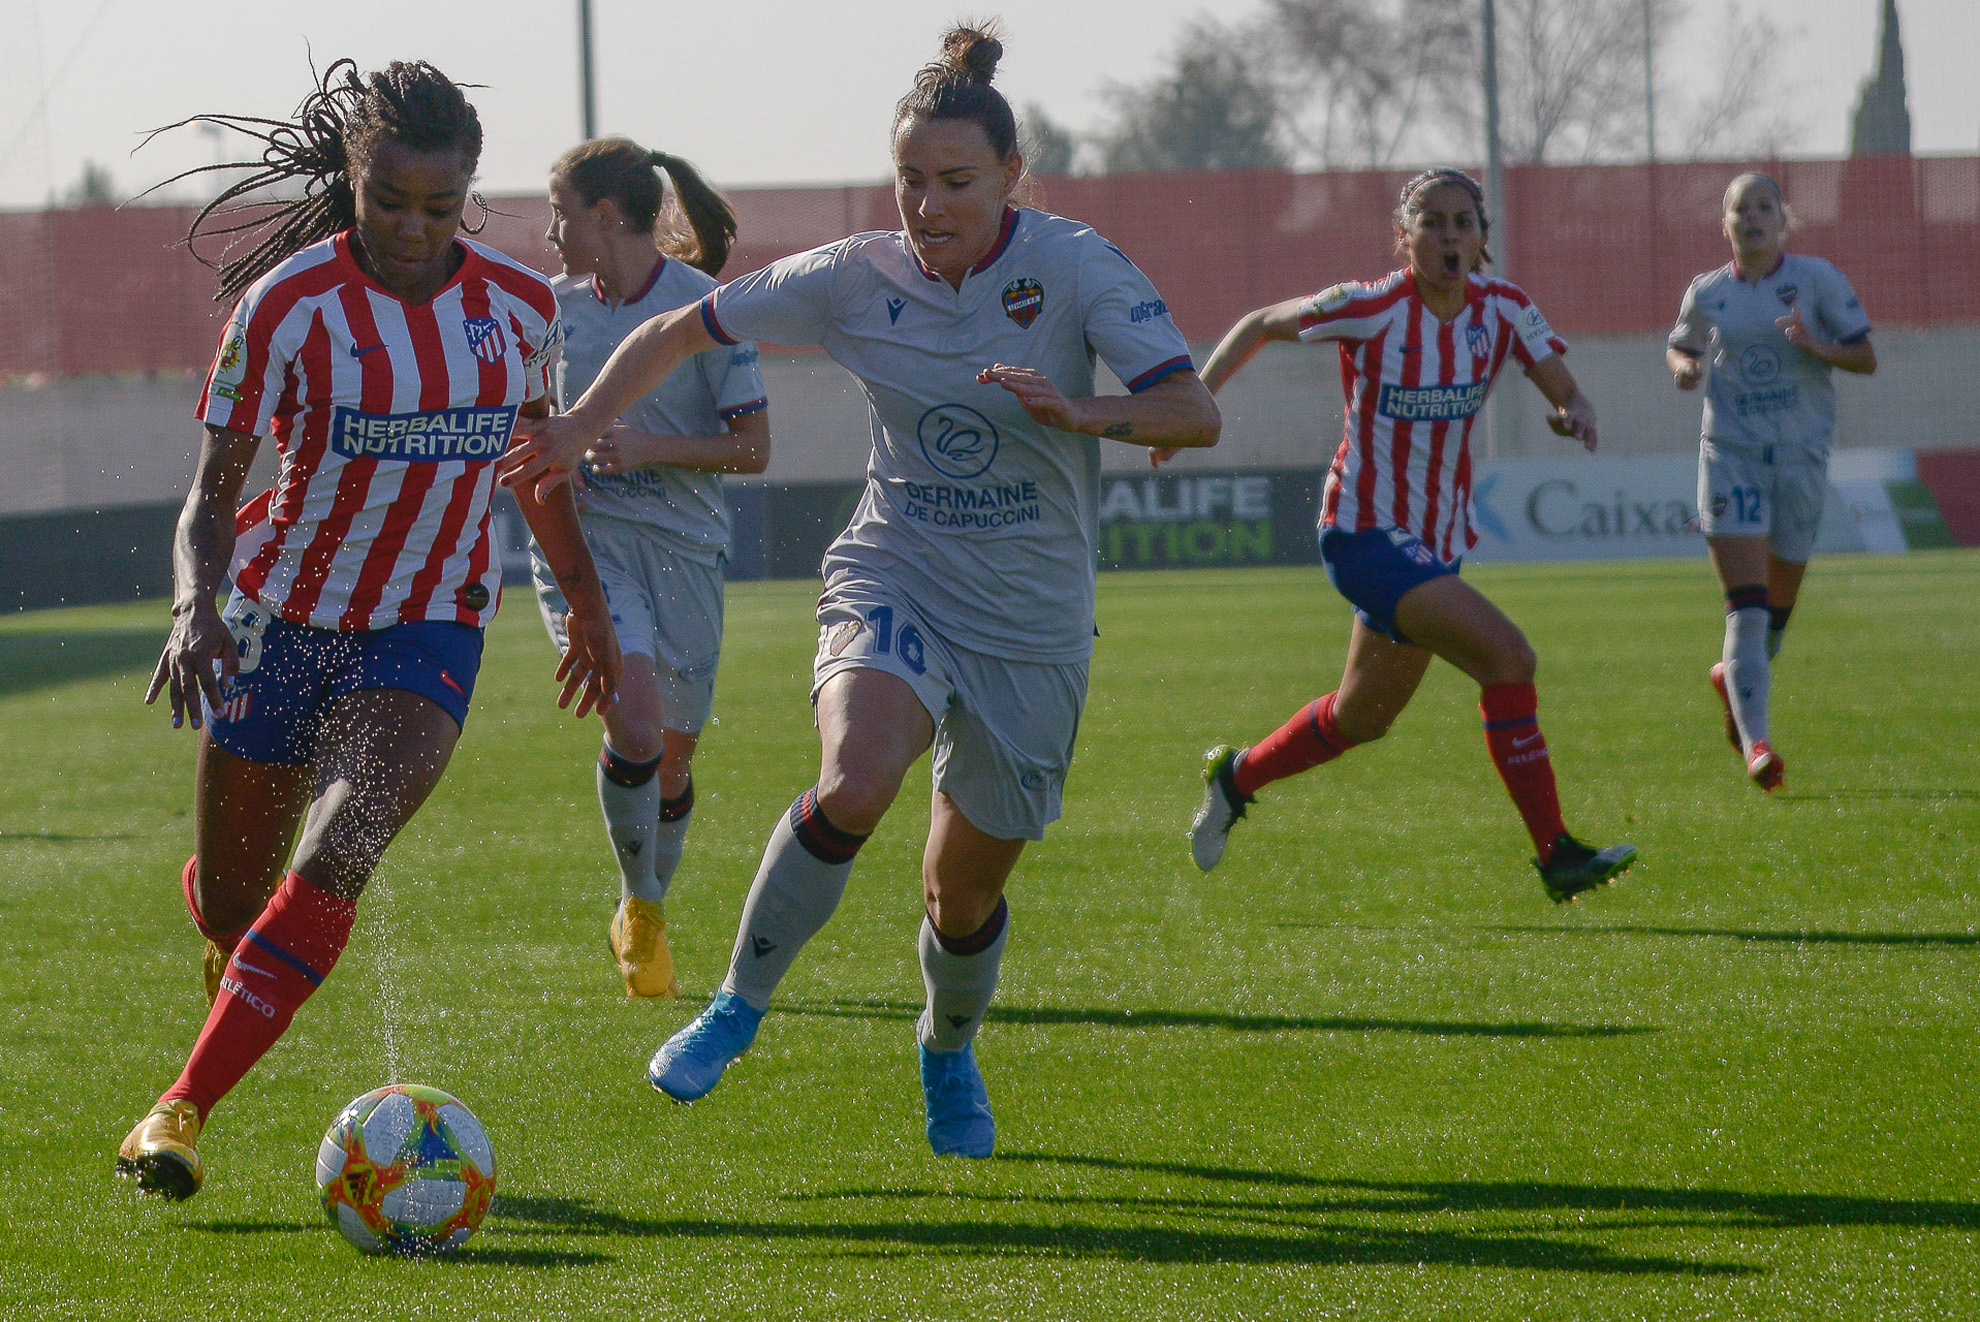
(1301, 744)
(285, 955)
(1512, 732)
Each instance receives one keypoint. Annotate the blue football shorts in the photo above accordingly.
(272, 710)
(1373, 570)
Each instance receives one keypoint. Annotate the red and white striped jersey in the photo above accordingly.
(387, 420)
(1414, 387)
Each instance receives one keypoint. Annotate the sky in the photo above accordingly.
(787, 91)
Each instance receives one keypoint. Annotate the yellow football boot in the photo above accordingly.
(213, 966)
(159, 1153)
(638, 939)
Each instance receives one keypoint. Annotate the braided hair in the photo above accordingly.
(622, 170)
(333, 135)
(1407, 205)
(957, 86)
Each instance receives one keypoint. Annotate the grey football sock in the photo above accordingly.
(1745, 659)
(797, 887)
(669, 837)
(960, 975)
(632, 818)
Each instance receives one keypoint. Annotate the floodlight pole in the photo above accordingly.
(587, 86)
(1649, 85)
(1496, 422)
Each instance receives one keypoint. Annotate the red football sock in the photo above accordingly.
(285, 955)
(1512, 732)
(225, 940)
(1301, 744)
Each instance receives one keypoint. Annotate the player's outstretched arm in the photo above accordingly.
(589, 670)
(1176, 413)
(1243, 341)
(744, 448)
(548, 449)
(1574, 412)
(202, 548)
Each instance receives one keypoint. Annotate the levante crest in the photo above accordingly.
(1024, 299)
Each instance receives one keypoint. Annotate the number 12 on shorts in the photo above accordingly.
(1745, 503)
(907, 644)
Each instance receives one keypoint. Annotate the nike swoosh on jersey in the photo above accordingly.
(360, 350)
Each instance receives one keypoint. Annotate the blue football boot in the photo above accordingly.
(690, 1063)
(959, 1120)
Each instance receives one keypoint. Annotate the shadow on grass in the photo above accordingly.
(1950, 939)
(1347, 1244)
(1731, 1207)
(1236, 1023)
(1881, 796)
(60, 837)
(475, 1253)
(30, 661)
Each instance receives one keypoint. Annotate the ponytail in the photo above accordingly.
(622, 170)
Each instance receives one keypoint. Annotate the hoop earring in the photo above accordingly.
(481, 224)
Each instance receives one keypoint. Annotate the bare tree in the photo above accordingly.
(1208, 111)
(1360, 83)
(1741, 116)
(1572, 74)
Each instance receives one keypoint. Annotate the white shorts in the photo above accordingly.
(1771, 491)
(1004, 730)
(665, 605)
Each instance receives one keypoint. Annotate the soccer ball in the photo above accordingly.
(406, 1169)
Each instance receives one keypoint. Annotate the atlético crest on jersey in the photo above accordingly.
(1478, 340)
(1024, 299)
(485, 338)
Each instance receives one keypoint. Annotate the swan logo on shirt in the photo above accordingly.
(1024, 299)
(485, 339)
(957, 441)
(1759, 364)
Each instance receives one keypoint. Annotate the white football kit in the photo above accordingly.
(1770, 409)
(968, 568)
(659, 535)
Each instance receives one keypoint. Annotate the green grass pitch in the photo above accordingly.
(1364, 1070)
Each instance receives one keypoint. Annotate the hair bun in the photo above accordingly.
(973, 52)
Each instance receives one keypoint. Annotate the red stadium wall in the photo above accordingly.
(1604, 249)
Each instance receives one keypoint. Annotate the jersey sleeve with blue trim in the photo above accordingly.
(1693, 332)
(1127, 322)
(787, 302)
(734, 379)
(1838, 311)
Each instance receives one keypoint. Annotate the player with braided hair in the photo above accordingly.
(958, 606)
(652, 503)
(1419, 349)
(389, 358)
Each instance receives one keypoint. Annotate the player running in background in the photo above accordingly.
(958, 606)
(651, 502)
(389, 358)
(1771, 324)
(1419, 349)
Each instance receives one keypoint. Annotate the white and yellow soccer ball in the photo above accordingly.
(406, 1169)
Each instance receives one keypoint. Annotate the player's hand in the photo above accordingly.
(589, 671)
(1688, 374)
(1035, 392)
(545, 452)
(1576, 418)
(617, 451)
(1797, 331)
(200, 657)
(1158, 457)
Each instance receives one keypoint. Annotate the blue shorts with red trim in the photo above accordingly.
(272, 710)
(1373, 570)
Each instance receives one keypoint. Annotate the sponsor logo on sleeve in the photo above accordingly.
(1147, 311)
(1332, 299)
(485, 339)
(1024, 299)
(1534, 326)
(471, 434)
